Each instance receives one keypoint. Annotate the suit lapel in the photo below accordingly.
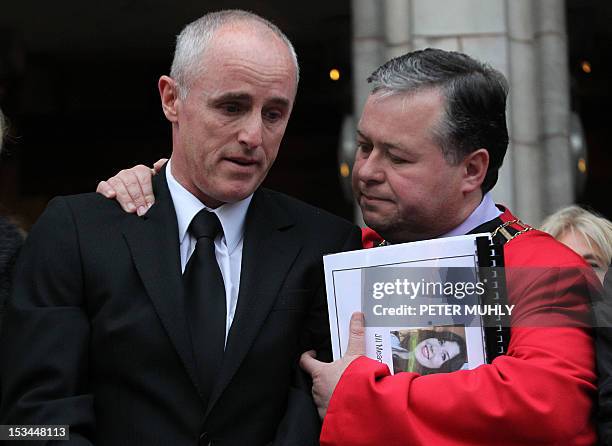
(154, 244)
(270, 248)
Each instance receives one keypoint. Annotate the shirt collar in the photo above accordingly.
(486, 211)
(231, 215)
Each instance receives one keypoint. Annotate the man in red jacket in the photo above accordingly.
(430, 142)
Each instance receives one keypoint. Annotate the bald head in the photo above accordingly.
(197, 37)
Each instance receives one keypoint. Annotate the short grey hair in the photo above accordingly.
(196, 36)
(475, 101)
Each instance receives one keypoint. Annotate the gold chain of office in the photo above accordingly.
(504, 232)
(500, 229)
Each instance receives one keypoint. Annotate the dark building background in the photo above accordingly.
(78, 83)
(589, 26)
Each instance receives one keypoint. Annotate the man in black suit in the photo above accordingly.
(104, 332)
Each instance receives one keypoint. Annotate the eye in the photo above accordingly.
(395, 159)
(231, 108)
(272, 115)
(363, 147)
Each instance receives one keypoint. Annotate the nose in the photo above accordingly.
(250, 135)
(435, 349)
(369, 169)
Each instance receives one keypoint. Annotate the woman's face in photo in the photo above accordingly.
(432, 352)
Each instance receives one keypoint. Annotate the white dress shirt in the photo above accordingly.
(486, 211)
(228, 246)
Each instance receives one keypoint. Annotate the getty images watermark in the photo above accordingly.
(420, 297)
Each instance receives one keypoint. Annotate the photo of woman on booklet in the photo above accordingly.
(422, 350)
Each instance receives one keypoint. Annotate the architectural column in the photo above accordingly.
(368, 46)
(551, 39)
(525, 111)
(397, 29)
(368, 54)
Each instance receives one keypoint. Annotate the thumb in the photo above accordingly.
(308, 363)
(158, 165)
(356, 343)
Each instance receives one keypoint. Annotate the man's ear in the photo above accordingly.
(168, 92)
(476, 165)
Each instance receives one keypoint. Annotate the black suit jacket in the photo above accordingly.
(10, 242)
(95, 334)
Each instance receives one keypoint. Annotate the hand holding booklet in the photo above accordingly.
(427, 305)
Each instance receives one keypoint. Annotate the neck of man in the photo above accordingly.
(179, 172)
(457, 215)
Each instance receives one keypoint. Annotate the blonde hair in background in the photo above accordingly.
(593, 227)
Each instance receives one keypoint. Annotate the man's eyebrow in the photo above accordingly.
(279, 101)
(386, 145)
(392, 145)
(361, 135)
(241, 97)
(245, 97)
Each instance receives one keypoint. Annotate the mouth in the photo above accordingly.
(369, 197)
(425, 352)
(242, 161)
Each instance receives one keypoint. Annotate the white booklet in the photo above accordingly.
(422, 303)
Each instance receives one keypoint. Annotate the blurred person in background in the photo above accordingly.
(10, 242)
(587, 233)
(603, 345)
(590, 235)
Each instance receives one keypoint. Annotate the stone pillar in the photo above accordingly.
(396, 27)
(524, 110)
(551, 40)
(368, 46)
(368, 53)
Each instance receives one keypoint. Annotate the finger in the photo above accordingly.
(145, 181)
(132, 184)
(159, 164)
(308, 363)
(121, 194)
(356, 344)
(105, 189)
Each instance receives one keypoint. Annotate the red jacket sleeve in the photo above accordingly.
(541, 392)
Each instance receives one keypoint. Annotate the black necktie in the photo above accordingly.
(205, 299)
